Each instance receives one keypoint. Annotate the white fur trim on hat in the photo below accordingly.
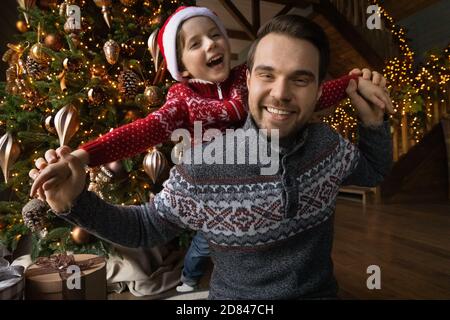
(170, 35)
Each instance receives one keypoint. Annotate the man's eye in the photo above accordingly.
(215, 35)
(266, 76)
(301, 82)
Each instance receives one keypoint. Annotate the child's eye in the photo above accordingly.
(193, 45)
(215, 35)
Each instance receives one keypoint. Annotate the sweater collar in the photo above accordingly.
(288, 145)
(213, 90)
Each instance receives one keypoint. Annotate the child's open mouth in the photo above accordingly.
(215, 61)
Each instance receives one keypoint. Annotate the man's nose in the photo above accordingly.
(280, 90)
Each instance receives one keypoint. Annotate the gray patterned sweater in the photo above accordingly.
(270, 236)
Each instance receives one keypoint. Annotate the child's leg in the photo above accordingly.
(195, 260)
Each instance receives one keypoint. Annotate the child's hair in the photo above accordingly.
(180, 48)
(297, 27)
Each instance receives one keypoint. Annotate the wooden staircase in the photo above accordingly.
(422, 175)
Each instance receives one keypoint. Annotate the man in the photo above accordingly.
(270, 235)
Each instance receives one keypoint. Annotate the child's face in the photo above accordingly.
(206, 52)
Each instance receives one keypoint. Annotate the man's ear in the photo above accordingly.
(319, 93)
(247, 74)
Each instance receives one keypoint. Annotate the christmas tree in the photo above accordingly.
(78, 69)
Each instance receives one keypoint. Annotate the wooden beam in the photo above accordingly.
(238, 34)
(256, 15)
(346, 29)
(237, 15)
(295, 3)
(285, 10)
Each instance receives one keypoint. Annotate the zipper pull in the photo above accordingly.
(219, 90)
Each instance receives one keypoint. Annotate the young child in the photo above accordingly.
(197, 52)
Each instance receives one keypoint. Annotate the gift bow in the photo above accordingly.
(59, 263)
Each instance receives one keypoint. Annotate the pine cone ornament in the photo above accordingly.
(34, 215)
(128, 84)
(36, 70)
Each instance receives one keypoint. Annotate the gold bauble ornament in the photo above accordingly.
(106, 10)
(111, 50)
(98, 70)
(155, 163)
(72, 64)
(128, 3)
(26, 5)
(153, 96)
(49, 125)
(96, 96)
(9, 152)
(117, 168)
(22, 26)
(38, 54)
(80, 236)
(53, 41)
(67, 123)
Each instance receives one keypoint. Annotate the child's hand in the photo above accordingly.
(369, 85)
(49, 176)
(61, 196)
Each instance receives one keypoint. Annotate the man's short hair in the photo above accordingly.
(297, 27)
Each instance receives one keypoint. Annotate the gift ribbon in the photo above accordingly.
(59, 263)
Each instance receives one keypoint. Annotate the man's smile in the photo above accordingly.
(277, 113)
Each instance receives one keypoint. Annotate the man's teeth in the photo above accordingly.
(277, 111)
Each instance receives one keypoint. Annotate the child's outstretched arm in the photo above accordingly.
(122, 142)
(334, 91)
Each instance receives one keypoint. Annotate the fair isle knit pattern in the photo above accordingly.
(219, 106)
(251, 214)
(270, 236)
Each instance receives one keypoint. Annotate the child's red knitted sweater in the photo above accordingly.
(219, 106)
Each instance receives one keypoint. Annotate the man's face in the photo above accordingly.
(283, 84)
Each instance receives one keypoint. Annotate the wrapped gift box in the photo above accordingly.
(53, 278)
(12, 282)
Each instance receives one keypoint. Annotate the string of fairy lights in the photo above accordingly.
(411, 90)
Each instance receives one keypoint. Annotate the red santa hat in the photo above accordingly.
(167, 36)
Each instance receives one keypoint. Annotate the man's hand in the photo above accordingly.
(60, 197)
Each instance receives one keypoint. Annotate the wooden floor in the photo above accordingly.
(410, 244)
